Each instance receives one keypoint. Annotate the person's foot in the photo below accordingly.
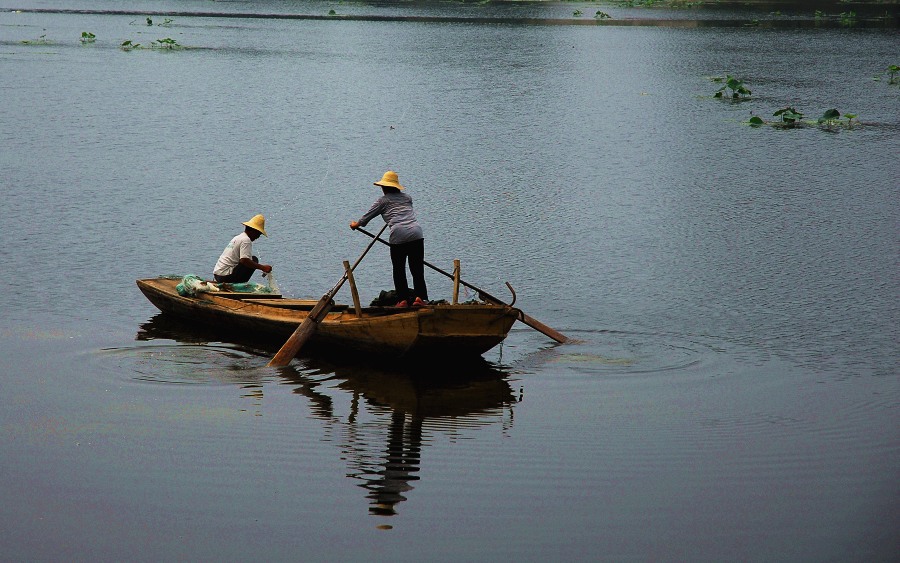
(402, 304)
(418, 302)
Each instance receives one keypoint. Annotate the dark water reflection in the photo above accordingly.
(392, 417)
(392, 414)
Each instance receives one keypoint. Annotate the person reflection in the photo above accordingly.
(392, 416)
(401, 463)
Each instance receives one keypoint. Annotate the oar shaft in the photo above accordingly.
(432, 266)
(302, 333)
(487, 295)
(530, 321)
(341, 281)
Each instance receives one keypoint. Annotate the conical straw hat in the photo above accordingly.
(391, 180)
(258, 222)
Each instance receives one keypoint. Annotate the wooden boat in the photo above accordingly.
(437, 331)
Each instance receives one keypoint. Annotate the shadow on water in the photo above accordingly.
(381, 416)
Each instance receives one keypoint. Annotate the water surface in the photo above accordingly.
(733, 291)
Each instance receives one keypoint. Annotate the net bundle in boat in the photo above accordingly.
(192, 285)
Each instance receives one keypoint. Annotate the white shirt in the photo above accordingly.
(240, 247)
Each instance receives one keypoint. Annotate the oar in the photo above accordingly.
(311, 322)
(530, 321)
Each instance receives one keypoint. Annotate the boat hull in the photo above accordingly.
(435, 331)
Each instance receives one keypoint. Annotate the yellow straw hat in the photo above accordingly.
(258, 222)
(391, 180)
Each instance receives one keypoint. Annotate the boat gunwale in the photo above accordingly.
(271, 304)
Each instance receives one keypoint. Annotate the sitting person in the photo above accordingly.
(237, 263)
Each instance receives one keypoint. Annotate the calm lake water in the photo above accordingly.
(733, 391)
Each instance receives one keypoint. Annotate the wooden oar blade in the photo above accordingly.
(530, 321)
(306, 329)
(544, 329)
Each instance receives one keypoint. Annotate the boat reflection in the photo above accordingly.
(162, 326)
(383, 416)
(393, 415)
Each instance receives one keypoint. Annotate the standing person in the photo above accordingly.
(237, 263)
(407, 240)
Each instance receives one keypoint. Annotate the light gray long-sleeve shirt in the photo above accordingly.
(397, 211)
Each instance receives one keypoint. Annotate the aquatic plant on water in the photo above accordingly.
(792, 118)
(832, 119)
(42, 40)
(829, 116)
(892, 72)
(602, 15)
(577, 13)
(88, 37)
(166, 43)
(755, 121)
(789, 116)
(736, 86)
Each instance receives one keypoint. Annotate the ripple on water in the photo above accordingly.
(187, 364)
(617, 353)
(714, 409)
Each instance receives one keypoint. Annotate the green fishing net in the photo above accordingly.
(192, 285)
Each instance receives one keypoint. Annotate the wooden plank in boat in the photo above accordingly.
(245, 296)
(299, 304)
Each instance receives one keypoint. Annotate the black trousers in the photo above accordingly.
(414, 252)
(240, 274)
